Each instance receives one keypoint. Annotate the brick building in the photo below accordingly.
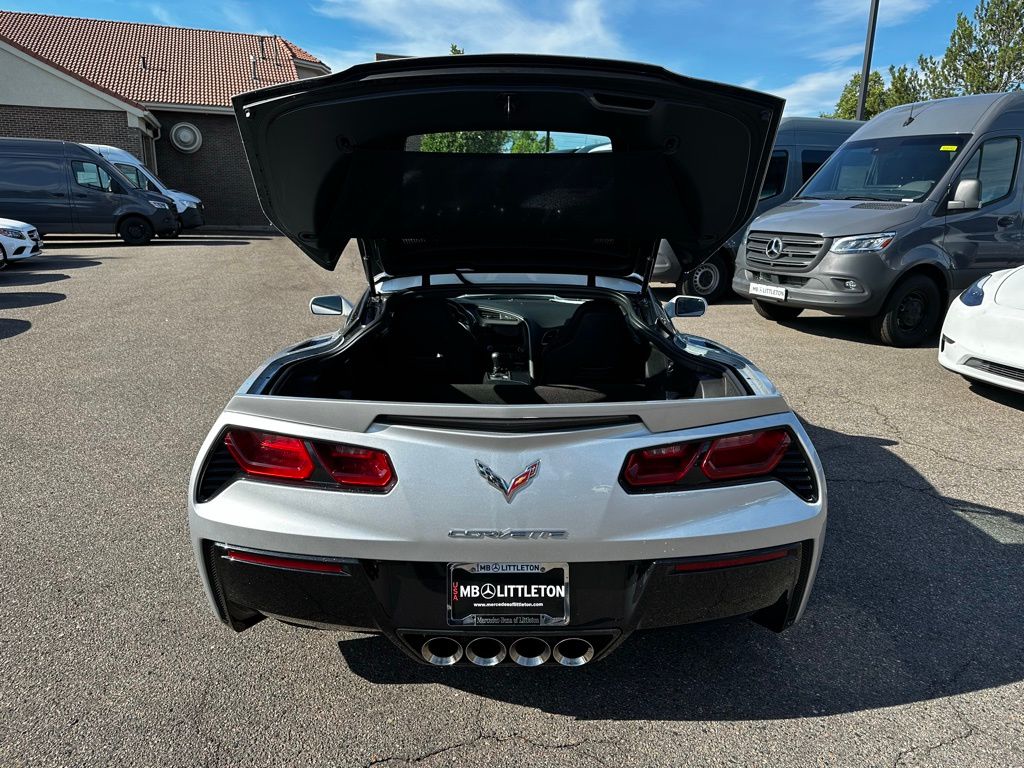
(162, 93)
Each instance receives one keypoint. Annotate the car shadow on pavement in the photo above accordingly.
(23, 299)
(999, 395)
(113, 242)
(917, 597)
(12, 327)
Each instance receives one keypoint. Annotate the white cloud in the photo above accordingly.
(240, 18)
(890, 12)
(161, 14)
(838, 54)
(813, 93)
(428, 27)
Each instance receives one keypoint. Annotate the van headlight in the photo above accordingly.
(863, 243)
(158, 204)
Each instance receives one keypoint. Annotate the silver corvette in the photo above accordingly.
(507, 454)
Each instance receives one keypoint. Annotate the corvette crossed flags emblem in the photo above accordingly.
(509, 489)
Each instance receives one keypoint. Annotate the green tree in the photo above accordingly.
(846, 107)
(985, 55)
(526, 142)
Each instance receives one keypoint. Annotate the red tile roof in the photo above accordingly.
(199, 67)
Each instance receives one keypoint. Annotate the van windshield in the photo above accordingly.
(903, 168)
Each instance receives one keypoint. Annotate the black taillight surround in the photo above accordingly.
(221, 470)
(794, 471)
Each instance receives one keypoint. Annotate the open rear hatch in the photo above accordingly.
(331, 161)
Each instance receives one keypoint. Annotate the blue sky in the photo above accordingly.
(803, 50)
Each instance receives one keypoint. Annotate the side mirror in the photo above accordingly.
(686, 306)
(330, 305)
(967, 196)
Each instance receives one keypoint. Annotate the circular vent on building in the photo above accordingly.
(186, 137)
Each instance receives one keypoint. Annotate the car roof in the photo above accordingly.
(960, 114)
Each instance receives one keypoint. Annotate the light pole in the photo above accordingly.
(865, 72)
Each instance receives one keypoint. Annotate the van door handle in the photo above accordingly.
(1006, 221)
(80, 194)
(57, 194)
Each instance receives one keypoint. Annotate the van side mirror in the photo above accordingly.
(330, 305)
(967, 196)
(686, 306)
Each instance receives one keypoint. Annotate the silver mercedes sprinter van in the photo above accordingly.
(909, 211)
(801, 146)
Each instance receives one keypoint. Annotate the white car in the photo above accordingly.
(18, 241)
(983, 336)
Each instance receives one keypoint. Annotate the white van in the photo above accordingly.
(189, 207)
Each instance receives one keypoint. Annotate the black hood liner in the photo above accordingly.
(329, 162)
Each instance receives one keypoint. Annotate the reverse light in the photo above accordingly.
(863, 243)
(267, 455)
(749, 455)
(663, 465)
(351, 465)
(974, 295)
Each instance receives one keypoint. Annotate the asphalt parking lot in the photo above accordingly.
(114, 361)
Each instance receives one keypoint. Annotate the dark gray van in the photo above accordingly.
(801, 146)
(913, 208)
(60, 186)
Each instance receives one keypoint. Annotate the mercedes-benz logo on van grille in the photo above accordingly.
(774, 248)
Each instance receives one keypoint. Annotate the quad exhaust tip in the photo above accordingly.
(573, 652)
(529, 651)
(485, 651)
(442, 651)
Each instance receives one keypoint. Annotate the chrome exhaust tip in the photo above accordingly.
(529, 651)
(573, 652)
(485, 651)
(441, 651)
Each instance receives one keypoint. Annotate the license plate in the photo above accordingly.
(771, 291)
(508, 594)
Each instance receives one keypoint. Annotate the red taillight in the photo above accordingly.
(290, 563)
(755, 453)
(267, 455)
(354, 466)
(663, 465)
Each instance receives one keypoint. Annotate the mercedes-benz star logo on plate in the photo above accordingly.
(487, 591)
(511, 488)
(774, 248)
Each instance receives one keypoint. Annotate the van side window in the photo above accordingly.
(91, 175)
(994, 164)
(775, 179)
(811, 160)
(138, 179)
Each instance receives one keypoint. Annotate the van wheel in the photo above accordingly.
(911, 313)
(135, 230)
(777, 312)
(709, 280)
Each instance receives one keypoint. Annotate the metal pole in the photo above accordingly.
(547, 141)
(865, 72)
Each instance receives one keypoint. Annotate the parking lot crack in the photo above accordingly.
(928, 749)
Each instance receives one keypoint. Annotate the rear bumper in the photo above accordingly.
(608, 601)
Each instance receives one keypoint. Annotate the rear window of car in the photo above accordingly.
(507, 142)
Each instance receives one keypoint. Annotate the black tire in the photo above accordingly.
(709, 280)
(777, 312)
(911, 313)
(135, 230)
(3, 258)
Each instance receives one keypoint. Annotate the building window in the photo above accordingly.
(186, 137)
